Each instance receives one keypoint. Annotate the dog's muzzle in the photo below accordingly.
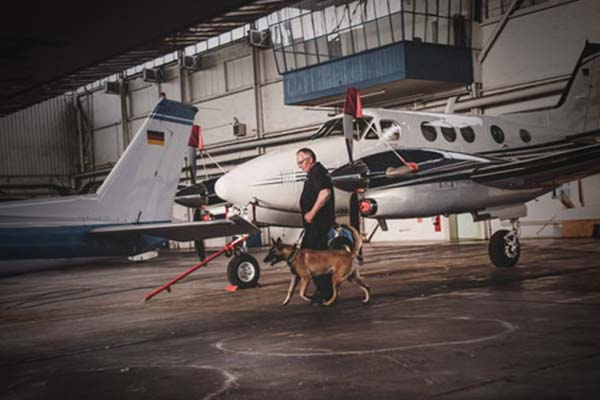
(273, 259)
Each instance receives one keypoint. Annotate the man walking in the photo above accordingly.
(318, 214)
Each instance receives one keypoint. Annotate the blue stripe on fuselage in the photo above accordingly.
(69, 242)
(174, 112)
(171, 119)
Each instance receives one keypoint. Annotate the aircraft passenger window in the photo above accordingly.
(449, 133)
(497, 134)
(428, 131)
(525, 135)
(467, 133)
(390, 130)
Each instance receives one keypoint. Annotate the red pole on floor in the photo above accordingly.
(228, 247)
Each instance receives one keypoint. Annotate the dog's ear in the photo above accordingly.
(279, 244)
(274, 242)
(278, 240)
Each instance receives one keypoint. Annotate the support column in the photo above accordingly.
(453, 228)
(258, 95)
(79, 134)
(124, 114)
(181, 72)
(256, 69)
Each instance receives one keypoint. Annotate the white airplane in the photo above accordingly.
(421, 164)
(132, 211)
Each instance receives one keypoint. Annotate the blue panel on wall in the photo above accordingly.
(404, 60)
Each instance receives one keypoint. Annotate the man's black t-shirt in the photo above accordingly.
(315, 234)
(317, 180)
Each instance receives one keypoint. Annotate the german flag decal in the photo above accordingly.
(156, 137)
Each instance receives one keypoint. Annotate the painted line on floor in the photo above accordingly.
(508, 328)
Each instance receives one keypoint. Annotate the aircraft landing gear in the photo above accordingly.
(243, 271)
(504, 248)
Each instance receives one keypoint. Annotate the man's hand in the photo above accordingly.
(309, 217)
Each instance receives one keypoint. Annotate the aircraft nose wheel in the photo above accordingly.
(243, 271)
(504, 248)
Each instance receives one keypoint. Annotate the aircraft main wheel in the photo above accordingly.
(504, 249)
(243, 271)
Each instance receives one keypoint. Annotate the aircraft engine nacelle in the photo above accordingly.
(427, 200)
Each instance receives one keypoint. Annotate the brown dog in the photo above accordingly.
(305, 264)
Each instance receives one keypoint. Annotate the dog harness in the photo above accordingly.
(290, 258)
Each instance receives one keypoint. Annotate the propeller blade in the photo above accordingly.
(352, 109)
(351, 177)
(194, 142)
(348, 127)
(192, 164)
(192, 196)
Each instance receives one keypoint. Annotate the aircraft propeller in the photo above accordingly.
(352, 110)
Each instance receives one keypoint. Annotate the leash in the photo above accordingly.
(300, 237)
(289, 262)
(295, 253)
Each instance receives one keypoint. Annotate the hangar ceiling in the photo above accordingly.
(48, 48)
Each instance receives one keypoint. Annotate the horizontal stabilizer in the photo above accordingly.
(182, 232)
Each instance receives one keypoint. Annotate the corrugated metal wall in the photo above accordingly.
(40, 141)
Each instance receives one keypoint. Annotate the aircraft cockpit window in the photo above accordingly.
(390, 130)
(335, 127)
(428, 131)
(449, 133)
(467, 133)
(497, 134)
(371, 133)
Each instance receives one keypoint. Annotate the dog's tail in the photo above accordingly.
(357, 239)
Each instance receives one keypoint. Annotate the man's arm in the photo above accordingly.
(322, 198)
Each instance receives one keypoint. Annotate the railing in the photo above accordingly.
(308, 33)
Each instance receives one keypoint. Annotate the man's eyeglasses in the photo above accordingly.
(300, 162)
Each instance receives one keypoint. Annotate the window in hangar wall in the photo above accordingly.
(497, 8)
(309, 33)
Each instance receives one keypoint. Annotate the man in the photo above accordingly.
(318, 214)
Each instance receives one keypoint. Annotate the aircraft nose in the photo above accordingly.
(221, 187)
(234, 187)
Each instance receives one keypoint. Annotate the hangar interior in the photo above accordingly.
(280, 71)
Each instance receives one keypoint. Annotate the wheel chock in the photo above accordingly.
(231, 288)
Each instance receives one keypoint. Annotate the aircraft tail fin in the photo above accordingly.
(142, 185)
(578, 108)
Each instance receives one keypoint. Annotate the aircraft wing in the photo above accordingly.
(182, 232)
(550, 169)
(535, 166)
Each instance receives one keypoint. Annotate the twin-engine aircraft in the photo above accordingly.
(131, 212)
(418, 164)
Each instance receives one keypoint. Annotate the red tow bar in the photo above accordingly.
(228, 247)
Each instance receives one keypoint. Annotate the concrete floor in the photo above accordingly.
(442, 324)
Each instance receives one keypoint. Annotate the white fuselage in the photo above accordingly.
(274, 181)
